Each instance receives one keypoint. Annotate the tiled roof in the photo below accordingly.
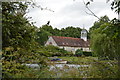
(69, 41)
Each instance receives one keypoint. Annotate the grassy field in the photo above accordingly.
(80, 60)
(97, 69)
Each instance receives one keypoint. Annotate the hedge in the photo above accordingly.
(87, 53)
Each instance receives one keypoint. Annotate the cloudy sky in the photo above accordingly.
(69, 13)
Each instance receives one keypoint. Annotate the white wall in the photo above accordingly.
(86, 49)
(70, 49)
(73, 49)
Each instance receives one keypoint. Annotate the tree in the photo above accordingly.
(19, 45)
(48, 28)
(57, 32)
(71, 32)
(44, 32)
(98, 23)
(105, 40)
(43, 36)
(16, 29)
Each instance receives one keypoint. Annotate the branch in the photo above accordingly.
(33, 4)
(88, 13)
(91, 12)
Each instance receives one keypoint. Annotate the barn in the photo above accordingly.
(69, 43)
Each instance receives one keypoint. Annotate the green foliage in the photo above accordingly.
(53, 51)
(87, 53)
(71, 32)
(18, 39)
(57, 32)
(47, 28)
(98, 23)
(16, 30)
(79, 52)
(104, 69)
(105, 40)
(96, 69)
(20, 46)
(42, 36)
(79, 60)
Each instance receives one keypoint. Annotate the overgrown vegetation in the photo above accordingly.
(95, 69)
(50, 51)
(105, 38)
(18, 39)
(22, 44)
(80, 52)
(88, 53)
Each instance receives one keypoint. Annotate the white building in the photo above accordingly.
(69, 43)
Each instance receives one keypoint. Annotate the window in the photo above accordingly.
(67, 43)
(50, 42)
(74, 43)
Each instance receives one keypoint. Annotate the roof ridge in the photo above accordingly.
(66, 37)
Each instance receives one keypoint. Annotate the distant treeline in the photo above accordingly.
(48, 30)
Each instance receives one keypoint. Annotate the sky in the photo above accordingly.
(64, 13)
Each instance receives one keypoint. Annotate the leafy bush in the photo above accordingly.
(50, 50)
(87, 53)
(79, 52)
(12, 61)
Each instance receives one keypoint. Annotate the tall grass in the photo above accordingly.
(96, 69)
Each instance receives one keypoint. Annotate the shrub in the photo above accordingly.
(87, 53)
(79, 52)
(54, 51)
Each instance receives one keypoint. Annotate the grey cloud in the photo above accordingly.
(78, 9)
(68, 13)
(73, 9)
(79, 22)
